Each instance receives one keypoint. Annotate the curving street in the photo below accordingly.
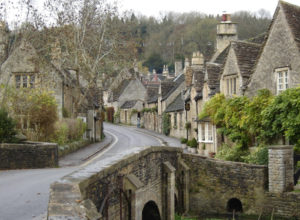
(24, 194)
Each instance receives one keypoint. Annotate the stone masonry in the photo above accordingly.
(281, 169)
(28, 155)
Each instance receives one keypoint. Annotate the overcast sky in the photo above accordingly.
(154, 7)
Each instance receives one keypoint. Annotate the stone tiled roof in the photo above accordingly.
(222, 56)
(152, 93)
(168, 87)
(213, 77)
(292, 14)
(129, 104)
(176, 105)
(115, 93)
(246, 54)
(259, 39)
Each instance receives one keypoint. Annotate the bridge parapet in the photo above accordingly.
(118, 190)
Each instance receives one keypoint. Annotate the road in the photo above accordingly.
(24, 194)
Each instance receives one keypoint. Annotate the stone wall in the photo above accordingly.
(28, 155)
(140, 177)
(214, 182)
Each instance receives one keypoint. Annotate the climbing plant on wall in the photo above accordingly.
(166, 121)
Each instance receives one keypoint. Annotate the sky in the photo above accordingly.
(157, 7)
(154, 7)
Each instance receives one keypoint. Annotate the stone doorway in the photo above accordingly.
(150, 211)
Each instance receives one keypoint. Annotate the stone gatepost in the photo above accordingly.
(281, 168)
(170, 191)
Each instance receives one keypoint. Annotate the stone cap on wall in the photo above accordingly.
(280, 147)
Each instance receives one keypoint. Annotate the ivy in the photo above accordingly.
(282, 117)
(239, 118)
(154, 109)
(166, 120)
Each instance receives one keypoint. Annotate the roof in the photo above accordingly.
(152, 93)
(259, 39)
(292, 14)
(167, 88)
(176, 105)
(246, 54)
(222, 56)
(116, 92)
(213, 77)
(129, 104)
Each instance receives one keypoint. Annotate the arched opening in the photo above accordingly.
(150, 211)
(234, 205)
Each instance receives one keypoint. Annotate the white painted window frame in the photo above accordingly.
(282, 79)
(206, 135)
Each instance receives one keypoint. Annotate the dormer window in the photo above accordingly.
(231, 85)
(25, 80)
(282, 75)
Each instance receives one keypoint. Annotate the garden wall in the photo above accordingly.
(28, 155)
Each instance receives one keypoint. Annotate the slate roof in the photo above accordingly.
(168, 87)
(213, 77)
(222, 56)
(115, 93)
(176, 105)
(129, 104)
(292, 14)
(246, 54)
(259, 39)
(152, 93)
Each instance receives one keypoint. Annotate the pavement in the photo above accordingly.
(78, 157)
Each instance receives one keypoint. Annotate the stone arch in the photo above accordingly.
(151, 211)
(234, 204)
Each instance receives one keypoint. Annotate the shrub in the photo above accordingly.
(183, 140)
(234, 153)
(188, 125)
(259, 156)
(193, 143)
(166, 120)
(61, 133)
(68, 130)
(7, 127)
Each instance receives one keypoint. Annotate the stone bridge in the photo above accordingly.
(159, 181)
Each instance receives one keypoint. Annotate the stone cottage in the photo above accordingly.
(278, 65)
(25, 67)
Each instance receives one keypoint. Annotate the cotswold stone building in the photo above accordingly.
(26, 67)
(278, 64)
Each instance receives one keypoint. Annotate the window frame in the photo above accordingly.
(285, 71)
(24, 80)
(206, 133)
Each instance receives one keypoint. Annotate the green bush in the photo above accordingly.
(68, 130)
(7, 127)
(259, 156)
(183, 140)
(234, 153)
(61, 133)
(192, 143)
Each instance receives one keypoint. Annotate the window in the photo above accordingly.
(180, 120)
(282, 79)
(25, 80)
(231, 83)
(175, 119)
(206, 132)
